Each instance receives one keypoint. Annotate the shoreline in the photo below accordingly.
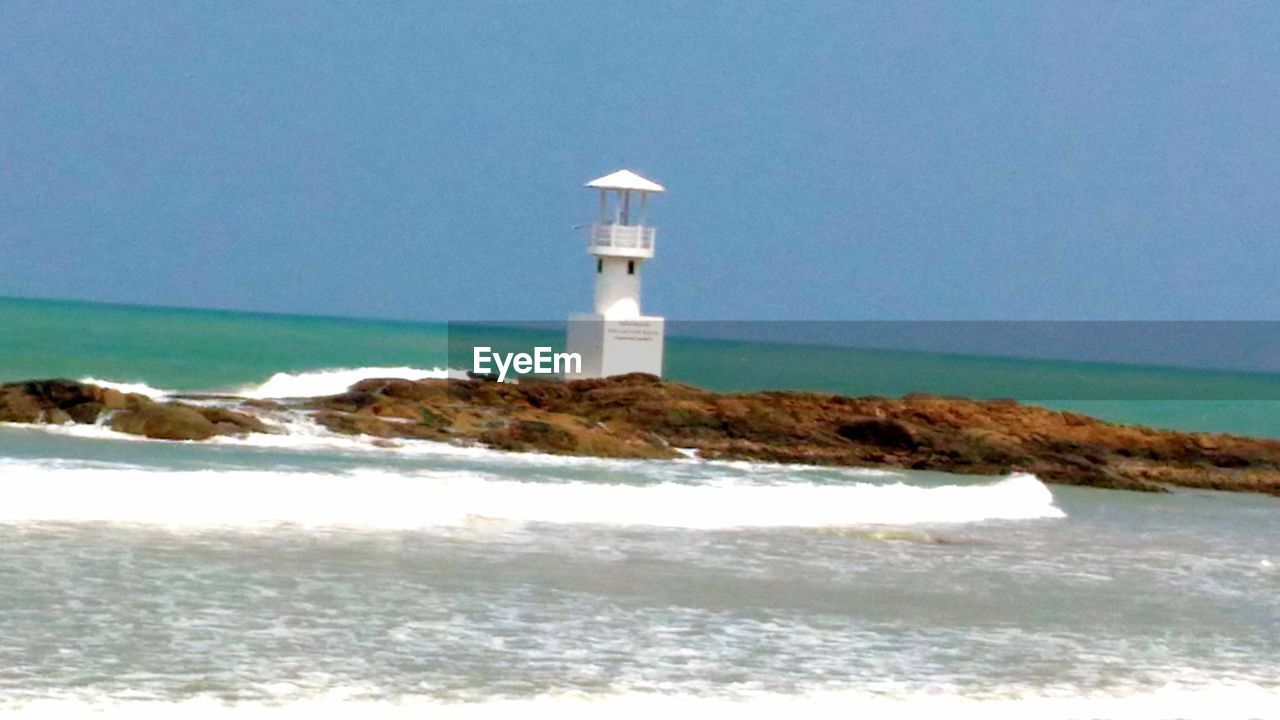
(639, 416)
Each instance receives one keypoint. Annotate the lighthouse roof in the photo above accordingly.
(625, 180)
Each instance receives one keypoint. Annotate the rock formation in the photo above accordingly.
(639, 416)
(62, 401)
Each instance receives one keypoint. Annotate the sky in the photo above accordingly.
(823, 160)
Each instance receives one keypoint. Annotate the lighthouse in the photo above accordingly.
(618, 338)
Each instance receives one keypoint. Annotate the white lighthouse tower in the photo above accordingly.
(617, 338)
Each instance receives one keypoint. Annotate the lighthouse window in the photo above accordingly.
(599, 266)
(631, 267)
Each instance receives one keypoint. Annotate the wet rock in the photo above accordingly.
(365, 424)
(167, 421)
(17, 406)
(530, 434)
(878, 432)
(230, 422)
(641, 416)
(112, 399)
(86, 412)
(58, 401)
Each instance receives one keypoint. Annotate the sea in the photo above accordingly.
(304, 572)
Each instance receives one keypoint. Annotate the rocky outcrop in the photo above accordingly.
(174, 421)
(59, 401)
(66, 401)
(639, 416)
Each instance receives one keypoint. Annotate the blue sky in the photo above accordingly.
(1066, 160)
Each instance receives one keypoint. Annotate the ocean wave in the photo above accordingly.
(302, 384)
(329, 381)
(299, 434)
(140, 388)
(757, 466)
(1217, 701)
(297, 431)
(381, 499)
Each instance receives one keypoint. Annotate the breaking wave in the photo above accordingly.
(44, 491)
(308, 383)
(128, 387)
(331, 381)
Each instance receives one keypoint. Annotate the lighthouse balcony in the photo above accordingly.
(620, 240)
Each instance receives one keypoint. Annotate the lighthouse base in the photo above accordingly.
(615, 346)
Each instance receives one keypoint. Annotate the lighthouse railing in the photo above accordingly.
(621, 236)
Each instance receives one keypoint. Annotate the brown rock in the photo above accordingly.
(112, 399)
(642, 416)
(85, 413)
(878, 432)
(19, 407)
(169, 421)
(48, 401)
(230, 422)
(530, 434)
(364, 424)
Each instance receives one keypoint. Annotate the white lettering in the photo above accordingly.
(542, 362)
(503, 366)
(572, 363)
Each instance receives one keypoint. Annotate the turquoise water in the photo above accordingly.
(181, 349)
(304, 574)
(184, 349)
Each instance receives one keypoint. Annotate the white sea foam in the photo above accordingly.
(757, 466)
(379, 499)
(128, 387)
(1219, 701)
(299, 433)
(308, 383)
(76, 430)
(330, 381)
